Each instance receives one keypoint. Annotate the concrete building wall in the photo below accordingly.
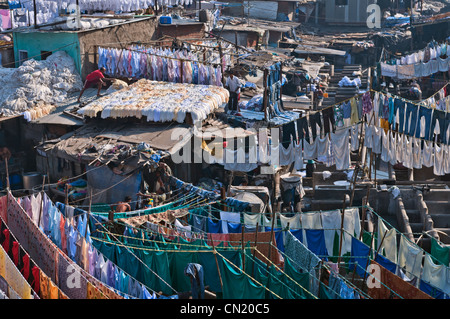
(286, 8)
(34, 42)
(244, 38)
(194, 30)
(354, 12)
(116, 36)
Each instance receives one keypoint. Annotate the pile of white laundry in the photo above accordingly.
(347, 82)
(159, 102)
(37, 86)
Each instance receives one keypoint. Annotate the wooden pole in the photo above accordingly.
(242, 247)
(7, 174)
(42, 202)
(221, 63)
(355, 174)
(217, 263)
(271, 234)
(368, 258)
(88, 214)
(66, 200)
(254, 251)
(342, 231)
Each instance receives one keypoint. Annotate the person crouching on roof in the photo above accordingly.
(96, 77)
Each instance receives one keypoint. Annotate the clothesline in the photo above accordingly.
(330, 269)
(22, 215)
(164, 56)
(140, 261)
(255, 260)
(434, 43)
(423, 252)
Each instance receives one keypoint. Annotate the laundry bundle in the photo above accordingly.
(35, 85)
(345, 81)
(159, 102)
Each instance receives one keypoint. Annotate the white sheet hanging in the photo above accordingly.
(439, 168)
(387, 241)
(376, 140)
(352, 227)
(428, 154)
(436, 275)
(385, 146)
(408, 156)
(410, 257)
(310, 221)
(287, 155)
(309, 150)
(417, 153)
(355, 137)
(341, 148)
(331, 222)
(298, 156)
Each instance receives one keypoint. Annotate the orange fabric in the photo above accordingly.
(94, 293)
(395, 284)
(263, 245)
(384, 124)
(43, 282)
(63, 234)
(53, 291)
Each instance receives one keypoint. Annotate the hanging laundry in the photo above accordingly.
(417, 153)
(436, 275)
(341, 148)
(408, 157)
(354, 115)
(410, 257)
(316, 242)
(438, 167)
(304, 259)
(355, 129)
(352, 227)
(331, 222)
(428, 154)
(387, 241)
(310, 150)
(440, 254)
(359, 261)
(390, 286)
(367, 105)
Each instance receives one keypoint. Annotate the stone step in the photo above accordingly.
(416, 228)
(413, 215)
(444, 238)
(441, 220)
(438, 206)
(437, 194)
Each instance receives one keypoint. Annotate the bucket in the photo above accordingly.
(15, 181)
(31, 179)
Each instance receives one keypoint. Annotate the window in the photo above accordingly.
(341, 2)
(23, 56)
(45, 54)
